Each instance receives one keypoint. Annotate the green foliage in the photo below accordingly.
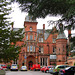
(74, 63)
(8, 52)
(42, 8)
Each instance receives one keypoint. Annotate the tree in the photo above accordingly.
(42, 8)
(8, 51)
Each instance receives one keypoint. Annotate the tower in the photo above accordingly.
(61, 42)
(30, 40)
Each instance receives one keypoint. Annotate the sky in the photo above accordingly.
(18, 17)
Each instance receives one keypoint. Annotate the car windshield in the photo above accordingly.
(61, 66)
(56, 67)
(14, 65)
(2, 65)
(67, 68)
(23, 66)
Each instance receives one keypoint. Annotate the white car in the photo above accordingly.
(23, 68)
(14, 67)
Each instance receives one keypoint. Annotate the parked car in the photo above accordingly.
(14, 67)
(4, 66)
(1, 68)
(46, 69)
(23, 68)
(35, 67)
(57, 68)
(42, 69)
(51, 69)
(67, 71)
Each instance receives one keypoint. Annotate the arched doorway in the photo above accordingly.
(30, 64)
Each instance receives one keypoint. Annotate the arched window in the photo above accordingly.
(30, 28)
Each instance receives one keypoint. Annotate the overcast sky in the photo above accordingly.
(18, 18)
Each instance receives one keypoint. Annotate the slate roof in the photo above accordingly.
(46, 34)
(61, 36)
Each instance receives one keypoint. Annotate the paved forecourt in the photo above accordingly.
(26, 73)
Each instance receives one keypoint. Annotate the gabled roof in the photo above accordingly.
(46, 34)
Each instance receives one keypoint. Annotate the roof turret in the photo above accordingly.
(29, 18)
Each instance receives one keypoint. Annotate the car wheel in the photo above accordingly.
(46, 71)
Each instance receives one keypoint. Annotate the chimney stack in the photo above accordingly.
(43, 26)
(69, 34)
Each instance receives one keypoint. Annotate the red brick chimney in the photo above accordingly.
(69, 37)
(43, 26)
(69, 34)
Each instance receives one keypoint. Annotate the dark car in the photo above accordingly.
(67, 71)
(58, 68)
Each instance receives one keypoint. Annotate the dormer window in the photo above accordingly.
(30, 29)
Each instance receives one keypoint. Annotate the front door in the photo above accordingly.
(30, 64)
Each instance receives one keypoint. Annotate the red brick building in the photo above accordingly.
(40, 46)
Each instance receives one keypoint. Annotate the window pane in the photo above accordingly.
(34, 49)
(54, 40)
(40, 39)
(26, 37)
(30, 48)
(30, 29)
(42, 50)
(39, 49)
(31, 37)
(35, 38)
